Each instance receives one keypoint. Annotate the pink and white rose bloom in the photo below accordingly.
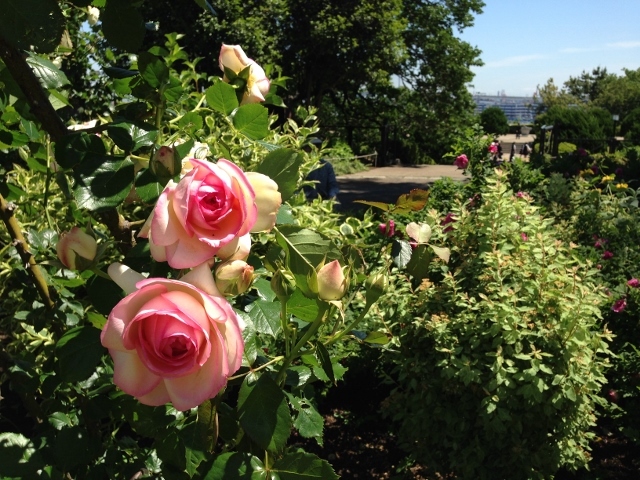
(172, 341)
(213, 207)
(234, 58)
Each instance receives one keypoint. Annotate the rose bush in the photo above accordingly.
(211, 207)
(233, 58)
(172, 340)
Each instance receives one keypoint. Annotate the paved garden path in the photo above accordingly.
(386, 184)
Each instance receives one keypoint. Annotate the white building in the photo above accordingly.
(517, 109)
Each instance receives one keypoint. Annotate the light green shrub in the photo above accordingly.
(502, 360)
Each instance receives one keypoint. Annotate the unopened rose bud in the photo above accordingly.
(76, 249)
(164, 163)
(376, 285)
(387, 232)
(332, 283)
(233, 58)
(233, 277)
(283, 284)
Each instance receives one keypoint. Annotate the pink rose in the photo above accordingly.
(634, 283)
(76, 249)
(619, 305)
(382, 228)
(172, 340)
(461, 161)
(234, 58)
(210, 208)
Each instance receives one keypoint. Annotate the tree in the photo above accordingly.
(582, 126)
(550, 95)
(588, 86)
(621, 94)
(494, 121)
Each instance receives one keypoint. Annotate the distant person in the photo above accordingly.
(513, 151)
(326, 184)
(526, 150)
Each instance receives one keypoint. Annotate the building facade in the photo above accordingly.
(517, 109)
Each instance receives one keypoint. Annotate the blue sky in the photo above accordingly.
(525, 43)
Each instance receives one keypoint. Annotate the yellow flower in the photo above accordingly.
(608, 178)
(622, 186)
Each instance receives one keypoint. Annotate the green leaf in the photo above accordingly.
(221, 97)
(385, 207)
(325, 361)
(264, 413)
(378, 338)
(303, 466)
(283, 167)
(251, 341)
(74, 148)
(120, 73)
(32, 22)
(418, 266)
(147, 186)
(401, 253)
(97, 320)
(153, 69)
(130, 136)
(308, 421)
(122, 25)
(305, 250)
(103, 182)
(18, 457)
(191, 121)
(104, 294)
(303, 307)
(252, 120)
(51, 77)
(265, 317)
(173, 91)
(235, 466)
(60, 420)
(79, 351)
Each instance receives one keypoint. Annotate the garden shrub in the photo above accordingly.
(500, 363)
(566, 147)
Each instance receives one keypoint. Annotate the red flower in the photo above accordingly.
(390, 232)
(619, 305)
(607, 255)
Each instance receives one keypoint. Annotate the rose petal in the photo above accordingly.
(156, 397)
(130, 374)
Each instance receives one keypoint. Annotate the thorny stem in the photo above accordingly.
(253, 370)
(6, 212)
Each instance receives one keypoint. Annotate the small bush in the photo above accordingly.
(500, 363)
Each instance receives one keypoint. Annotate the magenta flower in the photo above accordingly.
(446, 221)
(634, 283)
(582, 152)
(619, 305)
(607, 255)
(461, 161)
(524, 237)
(619, 171)
(493, 148)
(382, 228)
(600, 242)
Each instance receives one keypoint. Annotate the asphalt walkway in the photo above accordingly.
(386, 184)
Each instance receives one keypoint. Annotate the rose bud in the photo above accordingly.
(93, 15)
(387, 232)
(233, 58)
(332, 284)
(233, 277)
(376, 285)
(613, 396)
(283, 284)
(76, 249)
(164, 163)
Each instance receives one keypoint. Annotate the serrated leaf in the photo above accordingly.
(252, 120)
(147, 186)
(283, 167)
(191, 121)
(265, 317)
(153, 69)
(74, 148)
(60, 420)
(303, 466)
(222, 98)
(304, 308)
(308, 422)
(418, 266)
(264, 413)
(79, 351)
(51, 77)
(401, 253)
(235, 466)
(103, 182)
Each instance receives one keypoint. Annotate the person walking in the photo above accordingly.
(513, 151)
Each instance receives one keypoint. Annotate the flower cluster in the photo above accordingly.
(461, 161)
(178, 340)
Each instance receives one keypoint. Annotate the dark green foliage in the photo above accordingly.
(494, 121)
(584, 127)
(630, 127)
